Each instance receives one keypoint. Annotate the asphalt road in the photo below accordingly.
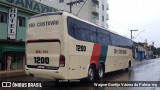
(148, 70)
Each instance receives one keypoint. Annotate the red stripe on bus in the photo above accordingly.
(96, 53)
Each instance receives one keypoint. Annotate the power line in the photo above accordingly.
(139, 33)
(81, 8)
(71, 3)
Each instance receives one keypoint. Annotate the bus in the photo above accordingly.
(60, 45)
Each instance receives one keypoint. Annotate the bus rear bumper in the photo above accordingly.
(44, 74)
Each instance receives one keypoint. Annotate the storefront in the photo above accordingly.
(13, 23)
(12, 58)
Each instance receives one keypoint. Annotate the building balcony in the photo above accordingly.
(95, 0)
(95, 18)
(107, 16)
(95, 21)
(107, 6)
(107, 25)
(94, 8)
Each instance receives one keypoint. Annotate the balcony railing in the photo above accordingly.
(95, 8)
(107, 6)
(95, 21)
(107, 16)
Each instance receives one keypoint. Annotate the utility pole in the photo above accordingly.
(71, 3)
(131, 33)
(133, 47)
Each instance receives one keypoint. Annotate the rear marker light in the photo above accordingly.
(61, 61)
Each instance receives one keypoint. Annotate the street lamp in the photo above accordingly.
(131, 33)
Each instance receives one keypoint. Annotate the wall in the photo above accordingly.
(85, 12)
(26, 8)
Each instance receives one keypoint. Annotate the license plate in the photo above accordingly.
(41, 66)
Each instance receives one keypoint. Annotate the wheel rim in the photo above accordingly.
(100, 72)
(91, 74)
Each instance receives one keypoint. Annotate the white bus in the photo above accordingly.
(60, 45)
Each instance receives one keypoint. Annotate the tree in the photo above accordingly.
(153, 49)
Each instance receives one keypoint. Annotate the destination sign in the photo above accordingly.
(44, 23)
(119, 51)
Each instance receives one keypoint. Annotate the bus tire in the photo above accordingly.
(91, 73)
(100, 71)
(129, 66)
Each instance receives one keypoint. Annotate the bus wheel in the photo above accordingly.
(100, 71)
(129, 66)
(91, 73)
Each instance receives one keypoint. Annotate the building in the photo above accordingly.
(143, 51)
(94, 11)
(13, 18)
(140, 51)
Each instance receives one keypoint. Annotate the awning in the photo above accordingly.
(9, 47)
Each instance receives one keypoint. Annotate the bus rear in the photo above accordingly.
(44, 58)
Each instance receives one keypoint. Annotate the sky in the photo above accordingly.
(141, 15)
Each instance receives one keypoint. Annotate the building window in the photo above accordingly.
(3, 17)
(103, 18)
(102, 7)
(61, 1)
(21, 21)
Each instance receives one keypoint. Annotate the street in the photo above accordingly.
(148, 70)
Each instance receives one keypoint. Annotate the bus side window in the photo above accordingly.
(107, 37)
(71, 27)
(78, 30)
(113, 39)
(103, 36)
(93, 36)
(85, 32)
(85, 35)
(102, 39)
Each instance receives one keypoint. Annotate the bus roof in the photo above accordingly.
(73, 16)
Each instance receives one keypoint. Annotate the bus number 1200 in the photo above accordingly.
(80, 48)
(41, 60)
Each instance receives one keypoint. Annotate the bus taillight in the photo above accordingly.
(61, 61)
